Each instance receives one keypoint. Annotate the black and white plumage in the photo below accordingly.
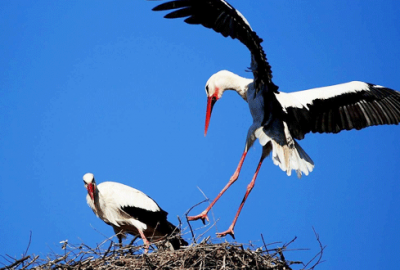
(331, 109)
(279, 118)
(129, 210)
(223, 18)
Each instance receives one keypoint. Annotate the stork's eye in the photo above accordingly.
(207, 89)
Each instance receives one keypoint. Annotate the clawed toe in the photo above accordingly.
(203, 216)
(229, 231)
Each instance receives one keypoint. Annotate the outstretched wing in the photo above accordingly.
(353, 105)
(225, 19)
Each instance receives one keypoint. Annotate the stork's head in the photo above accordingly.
(90, 184)
(215, 87)
(220, 82)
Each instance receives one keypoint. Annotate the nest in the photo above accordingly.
(205, 255)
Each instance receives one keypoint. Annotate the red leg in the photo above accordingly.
(145, 241)
(203, 215)
(249, 188)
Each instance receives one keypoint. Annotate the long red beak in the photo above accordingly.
(90, 189)
(210, 104)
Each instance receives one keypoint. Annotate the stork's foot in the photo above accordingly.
(228, 231)
(146, 246)
(203, 216)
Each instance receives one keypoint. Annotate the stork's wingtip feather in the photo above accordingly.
(161, 7)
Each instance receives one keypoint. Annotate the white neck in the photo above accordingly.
(227, 80)
(95, 205)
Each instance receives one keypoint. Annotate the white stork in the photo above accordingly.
(279, 118)
(129, 210)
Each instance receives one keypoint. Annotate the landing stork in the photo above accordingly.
(129, 210)
(279, 118)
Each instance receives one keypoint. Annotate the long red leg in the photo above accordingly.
(145, 241)
(203, 215)
(249, 188)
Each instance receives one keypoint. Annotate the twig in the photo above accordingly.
(151, 266)
(31, 262)
(133, 240)
(294, 239)
(320, 253)
(17, 262)
(29, 243)
(6, 259)
(265, 246)
(186, 215)
(98, 231)
(201, 235)
(212, 211)
(58, 259)
(180, 223)
(10, 257)
(108, 250)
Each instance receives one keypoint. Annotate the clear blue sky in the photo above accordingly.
(114, 89)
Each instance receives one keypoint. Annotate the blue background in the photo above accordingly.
(112, 88)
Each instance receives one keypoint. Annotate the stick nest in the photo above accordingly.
(200, 256)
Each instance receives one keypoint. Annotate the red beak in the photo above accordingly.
(210, 105)
(90, 189)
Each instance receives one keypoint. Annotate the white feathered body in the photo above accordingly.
(281, 118)
(112, 198)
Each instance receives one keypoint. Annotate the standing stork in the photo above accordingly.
(129, 210)
(280, 118)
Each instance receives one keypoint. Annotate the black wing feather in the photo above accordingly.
(355, 110)
(158, 221)
(172, 5)
(180, 13)
(148, 217)
(226, 20)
